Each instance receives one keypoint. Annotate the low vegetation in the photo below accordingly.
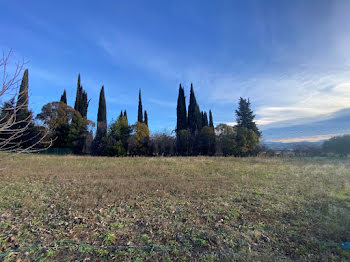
(167, 209)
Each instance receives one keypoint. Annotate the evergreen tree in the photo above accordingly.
(125, 114)
(22, 100)
(80, 136)
(64, 97)
(24, 118)
(23, 115)
(117, 137)
(98, 144)
(139, 115)
(78, 95)
(181, 110)
(194, 114)
(194, 124)
(102, 110)
(212, 140)
(205, 119)
(245, 116)
(121, 113)
(146, 118)
(202, 118)
(211, 123)
(81, 100)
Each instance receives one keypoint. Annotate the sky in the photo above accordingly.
(290, 58)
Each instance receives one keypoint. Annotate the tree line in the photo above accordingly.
(70, 130)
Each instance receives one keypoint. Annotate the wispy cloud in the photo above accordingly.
(295, 88)
(127, 49)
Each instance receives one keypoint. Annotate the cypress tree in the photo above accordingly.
(81, 101)
(212, 143)
(29, 136)
(245, 116)
(64, 97)
(139, 114)
(22, 100)
(211, 123)
(146, 118)
(121, 113)
(181, 110)
(194, 114)
(84, 103)
(205, 119)
(194, 124)
(78, 95)
(102, 110)
(98, 145)
(125, 115)
(202, 118)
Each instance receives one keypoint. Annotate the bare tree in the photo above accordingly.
(12, 127)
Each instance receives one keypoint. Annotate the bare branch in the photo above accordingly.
(15, 119)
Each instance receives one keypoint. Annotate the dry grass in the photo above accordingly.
(226, 208)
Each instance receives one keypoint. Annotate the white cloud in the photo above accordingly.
(290, 91)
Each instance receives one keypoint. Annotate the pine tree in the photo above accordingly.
(211, 123)
(64, 97)
(245, 116)
(181, 110)
(139, 114)
(146, 118)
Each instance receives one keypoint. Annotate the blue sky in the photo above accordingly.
(291, 58)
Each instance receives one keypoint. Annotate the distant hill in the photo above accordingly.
(291, 146)
(335, 124)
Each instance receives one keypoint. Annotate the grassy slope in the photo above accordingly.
(225, 208)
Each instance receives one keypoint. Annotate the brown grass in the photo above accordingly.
(225, 208)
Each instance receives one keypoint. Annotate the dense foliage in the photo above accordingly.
(195, 131)
(338, 145)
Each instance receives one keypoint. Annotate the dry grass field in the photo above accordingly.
(170, 209)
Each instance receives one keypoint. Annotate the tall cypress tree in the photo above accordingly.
(194, 124)
(23, 118)
(212, 143)
(102, 112)
(205, 119)
(181, 110)
(146, 118)
(64, 97)
(84, 103)
(78, 95)
(125, 115)
(139, 112)
(98, 145)
(211, 123)
(81, 101)
(194, 114)
(22, 100)
(245, 116)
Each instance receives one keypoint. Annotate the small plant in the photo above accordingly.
(108, 239)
